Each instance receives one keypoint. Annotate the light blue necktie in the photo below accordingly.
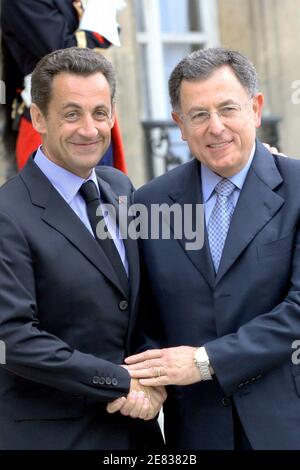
(219, 220)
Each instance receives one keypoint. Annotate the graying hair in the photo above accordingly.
(201, 64)
(73, 60)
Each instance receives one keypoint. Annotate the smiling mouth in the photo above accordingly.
(219, 144)
(85, 144)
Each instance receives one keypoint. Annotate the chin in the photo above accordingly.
(88, 160)
(223, 170)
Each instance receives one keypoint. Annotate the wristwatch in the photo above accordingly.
(202, 362)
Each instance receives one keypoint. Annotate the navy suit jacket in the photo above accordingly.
(247, 316)
(66, 323)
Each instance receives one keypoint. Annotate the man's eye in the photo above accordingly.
(71, 116)
(200, 116)
(101, 115)
(229, 110)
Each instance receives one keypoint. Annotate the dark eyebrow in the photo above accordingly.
(224, 103)
(77, 106)
(102, 107)
(202, 108)
(197, 108)
(71, 105)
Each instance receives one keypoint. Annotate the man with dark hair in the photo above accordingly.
(34, 28)
(227, 315)
(68, 296)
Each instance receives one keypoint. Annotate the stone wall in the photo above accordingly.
(268, 32)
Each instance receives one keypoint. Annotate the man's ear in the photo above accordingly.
(258, 103)
(38, 119)
(176, 118)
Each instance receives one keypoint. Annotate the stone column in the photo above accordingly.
(125, 60)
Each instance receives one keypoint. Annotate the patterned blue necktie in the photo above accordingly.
(219, 220)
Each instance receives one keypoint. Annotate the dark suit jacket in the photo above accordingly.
(33, 28)
(66, 322)
(247, 316)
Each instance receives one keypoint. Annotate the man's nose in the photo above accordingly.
(215, 125)
(88, 127)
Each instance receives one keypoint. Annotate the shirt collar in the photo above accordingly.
(64, 181)
(210, 179)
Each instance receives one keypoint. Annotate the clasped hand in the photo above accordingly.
(168, 366)
(141, 402)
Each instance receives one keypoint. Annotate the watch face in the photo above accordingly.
(201, 355)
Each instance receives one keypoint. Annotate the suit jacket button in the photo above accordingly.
(241, 385)
(101, 380)
(114, 382)
(108, 381)
(225, 401)
(95, 380)
(123, 305)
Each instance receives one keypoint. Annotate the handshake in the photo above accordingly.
(150, 372)
(141, 402)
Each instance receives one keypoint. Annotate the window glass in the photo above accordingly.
(172, 54)
(139, 16)
(179, 16)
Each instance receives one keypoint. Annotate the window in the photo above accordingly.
(167, 30)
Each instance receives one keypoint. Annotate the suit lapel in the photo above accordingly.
(257, 204)
(62, 218)
(190, 193)
(131, 246)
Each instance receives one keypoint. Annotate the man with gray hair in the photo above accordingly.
(225, 317)
(68, 299)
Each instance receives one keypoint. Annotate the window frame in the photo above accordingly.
(154, 40)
